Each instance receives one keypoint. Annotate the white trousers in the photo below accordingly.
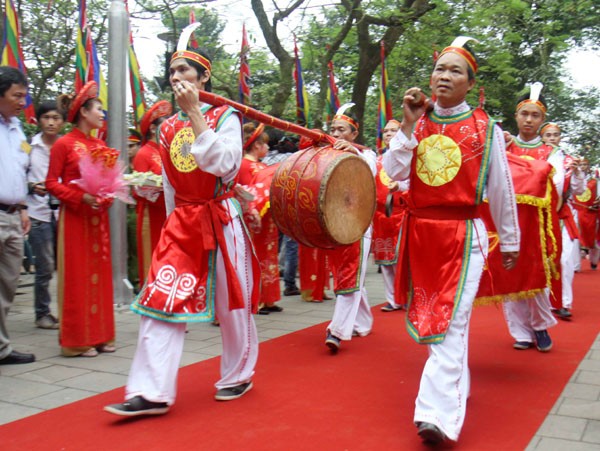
(156, 361)
(567, 269)
(389, 274)
(576, 255)
(526, 316)
(352, 311)
(445, 382)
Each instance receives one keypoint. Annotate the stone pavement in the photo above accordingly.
(572, 424)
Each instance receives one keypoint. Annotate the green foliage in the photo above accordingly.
(521, 41)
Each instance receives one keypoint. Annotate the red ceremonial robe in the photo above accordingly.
(182, 277)
(314, 273)
(541, 152)
(587, 215)
(266, 241)
(442, 203)
(248, 170)
(386, 229)
(539, 259)
(150, 215)
(85, 291)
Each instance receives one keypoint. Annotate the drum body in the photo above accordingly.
(323, 197)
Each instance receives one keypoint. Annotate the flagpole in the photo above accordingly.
(117, 132)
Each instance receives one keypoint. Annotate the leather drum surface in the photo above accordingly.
(323, 197)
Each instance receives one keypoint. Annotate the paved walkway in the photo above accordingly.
(573, 423)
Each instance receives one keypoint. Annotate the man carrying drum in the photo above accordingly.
(352, 315)
(203, 263)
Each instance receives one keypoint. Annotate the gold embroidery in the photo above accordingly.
(180, 151)
(585, 196)
(438, 160)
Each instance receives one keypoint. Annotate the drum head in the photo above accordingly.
(347, 199)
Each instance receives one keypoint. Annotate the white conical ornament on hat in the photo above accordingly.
(346, 106)
(536, 90)
(460, 41)
(184, 38)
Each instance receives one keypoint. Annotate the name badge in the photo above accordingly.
(26, 147)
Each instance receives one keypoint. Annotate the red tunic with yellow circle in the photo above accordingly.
(386, 229)
(182, 279)
(588, 216)
(448, 175)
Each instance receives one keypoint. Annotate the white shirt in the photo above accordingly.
(39, 159)
(13, 162)
(499, 189)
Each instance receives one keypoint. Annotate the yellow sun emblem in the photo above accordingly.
(180, 152)
(585, 196)
(438, 160)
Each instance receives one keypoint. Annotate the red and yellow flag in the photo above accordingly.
(12, 54)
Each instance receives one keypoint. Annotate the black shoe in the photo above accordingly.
(263, 311)
(294, 291)
(273, 308)
(430, 433)
(230, 393)
(543, 340)
(332, 342)
(137, 406)
(17, 357)
(563, 313)
(521, 345)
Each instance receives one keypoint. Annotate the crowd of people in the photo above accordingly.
(209, 249)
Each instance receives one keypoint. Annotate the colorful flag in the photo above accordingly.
(81, 57)
(87, 65)
(95, 73)
(384, 110)
(302, 109)
(12, 54)
(244, 77)
(333, 102)
(136, 83)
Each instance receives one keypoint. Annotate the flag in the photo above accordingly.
(333, 102)
(244, 77)
(136, 83)
(87, 65)
(302, 110)
(95, 73)
(81, 57)
(384, 110)
(12, 54)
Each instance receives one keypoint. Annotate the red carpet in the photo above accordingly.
(361, 399)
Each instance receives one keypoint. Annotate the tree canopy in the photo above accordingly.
(521, 41)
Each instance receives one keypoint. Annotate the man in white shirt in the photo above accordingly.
(14, 220)
(42, 236)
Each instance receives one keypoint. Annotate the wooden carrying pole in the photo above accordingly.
(315, 135)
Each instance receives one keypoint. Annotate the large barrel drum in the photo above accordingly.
(323, 197)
